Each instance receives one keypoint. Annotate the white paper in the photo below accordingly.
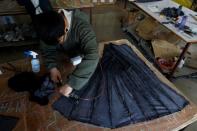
(154, 9)
(76, 60)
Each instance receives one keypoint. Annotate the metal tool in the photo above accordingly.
(193, 16)
(167, 22)
(189, 76)
(181, 25)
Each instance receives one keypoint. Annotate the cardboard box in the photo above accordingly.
(164, 49)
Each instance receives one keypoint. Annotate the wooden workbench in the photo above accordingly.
(34, 117)
(189, 40)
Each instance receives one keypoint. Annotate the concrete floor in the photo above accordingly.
(189, 88)
(106, 23)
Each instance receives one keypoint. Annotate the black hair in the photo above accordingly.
(49, 26)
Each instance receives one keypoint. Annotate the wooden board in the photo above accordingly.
(34, 117)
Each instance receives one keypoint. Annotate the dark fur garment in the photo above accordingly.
(39, 87)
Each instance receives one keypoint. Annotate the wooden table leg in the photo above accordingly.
(125, 4)
(180, 58)
(90, 9)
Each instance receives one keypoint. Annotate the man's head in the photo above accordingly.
(50, 27)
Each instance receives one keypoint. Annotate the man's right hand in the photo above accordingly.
(55, 75)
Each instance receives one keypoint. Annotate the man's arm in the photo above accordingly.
(49, 53)
(86, 68)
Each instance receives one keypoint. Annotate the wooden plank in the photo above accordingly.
(18, 43)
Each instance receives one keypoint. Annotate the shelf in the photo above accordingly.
(11, 7)
(19, 43)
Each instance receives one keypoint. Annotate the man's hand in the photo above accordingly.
(55, 75)
(66, 90)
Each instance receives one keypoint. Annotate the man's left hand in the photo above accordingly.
(66, 90)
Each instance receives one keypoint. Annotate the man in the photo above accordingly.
(71, 33)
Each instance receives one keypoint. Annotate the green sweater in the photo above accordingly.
(81, 39)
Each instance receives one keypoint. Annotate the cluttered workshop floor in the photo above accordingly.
(34, 117)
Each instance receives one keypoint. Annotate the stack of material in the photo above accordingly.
(18, 33)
